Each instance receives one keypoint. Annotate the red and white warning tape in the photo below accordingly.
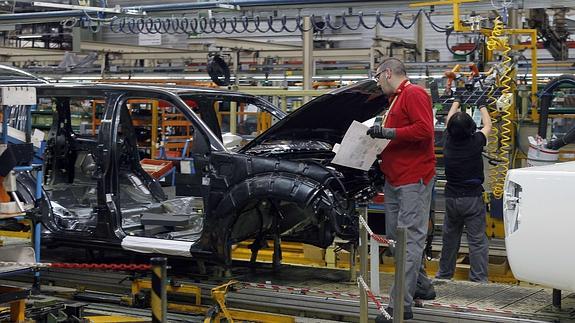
(374, 236)
(378, 304)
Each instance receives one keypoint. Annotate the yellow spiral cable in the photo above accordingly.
(497, 41)
(493, 139)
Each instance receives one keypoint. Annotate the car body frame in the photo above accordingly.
(281, 184)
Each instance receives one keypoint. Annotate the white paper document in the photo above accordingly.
(357, 149)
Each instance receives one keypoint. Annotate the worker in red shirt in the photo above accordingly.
(408, 163)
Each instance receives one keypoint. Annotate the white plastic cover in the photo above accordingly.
(159, 246)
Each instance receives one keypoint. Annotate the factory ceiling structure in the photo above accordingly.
(181, 37)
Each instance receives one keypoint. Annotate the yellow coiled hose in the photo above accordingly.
(493, 139)
(503, 106)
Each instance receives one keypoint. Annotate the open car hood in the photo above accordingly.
(328, 117)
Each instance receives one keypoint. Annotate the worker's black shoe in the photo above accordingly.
(424, 290)
(407, 315)
(425, 294)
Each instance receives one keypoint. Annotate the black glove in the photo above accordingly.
(380, 132)
(482, 101)
(458, 96)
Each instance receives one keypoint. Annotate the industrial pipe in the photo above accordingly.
(568, 138)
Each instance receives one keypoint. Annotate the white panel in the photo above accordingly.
(18, 95)
(149, 39)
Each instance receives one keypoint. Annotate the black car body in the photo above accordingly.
(282, 184)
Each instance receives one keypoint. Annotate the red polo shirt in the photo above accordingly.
(410, 156)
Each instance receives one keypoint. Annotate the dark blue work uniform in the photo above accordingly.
(464, 206)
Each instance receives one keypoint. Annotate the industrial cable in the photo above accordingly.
(245, 24)
(253, 24)
(497, 41)
(448, 33)
(433, 25)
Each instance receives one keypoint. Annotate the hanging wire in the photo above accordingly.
(433, 25)
(412, 22)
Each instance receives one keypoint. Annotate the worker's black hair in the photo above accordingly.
(395, 65)
(461, 126)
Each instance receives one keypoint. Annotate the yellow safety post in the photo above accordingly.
(534, 64)
(159, 300)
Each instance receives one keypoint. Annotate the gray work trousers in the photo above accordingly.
(469, 212)
(408, 206)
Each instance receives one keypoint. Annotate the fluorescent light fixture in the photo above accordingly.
(228, 6)
(29, 36)
(417, 77)
(197, 78)
(79, 77)
(550, 74)
(116, 9)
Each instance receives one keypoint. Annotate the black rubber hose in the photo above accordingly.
(327, 20)
(547, 98)
(568, 138)
(380, 21)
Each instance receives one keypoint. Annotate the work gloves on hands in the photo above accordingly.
(381, 133)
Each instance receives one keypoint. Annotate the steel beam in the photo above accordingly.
(420, 39)
(307, 55)
(76, 39)
(132, 52)
(13, 51)
(123, 48)
(237, 43)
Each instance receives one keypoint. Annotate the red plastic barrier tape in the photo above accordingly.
(374, 236)
(119, 267)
